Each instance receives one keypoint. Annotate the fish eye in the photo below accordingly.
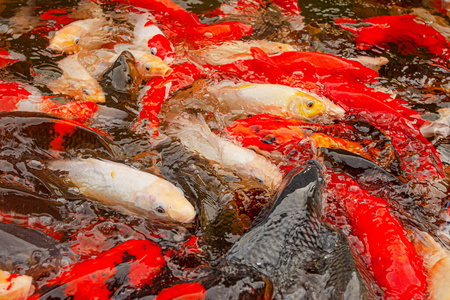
(148, 67)
(86, 91)
(335, 164)
(310, 103)
(160, 210)
(129, 80)
(269, 139)
(76, 39)
(153, 50)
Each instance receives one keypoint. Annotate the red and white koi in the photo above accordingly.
(83, 34)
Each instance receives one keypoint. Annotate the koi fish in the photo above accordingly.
(83, 34)
(158, 90)
(149, 38)
(76, 82)
(130, 190)
(25, 250)
(273, 133)
(17, 96)
(231, 51)
(14, 286)
(436, 260)
(147, 65)
(288, 244)
(207, 35)
(322, 67)
(46, 135)
(276, 99)
(408, 138)
(123, 269)
(384, 30)
(197, 137)
(383, 244)
(77, 111)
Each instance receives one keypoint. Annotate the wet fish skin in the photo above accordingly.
(303, 256)
(127, 189)
(15, 287)
(82, 34)
(276, 99)
(76, 82)
(23, 249)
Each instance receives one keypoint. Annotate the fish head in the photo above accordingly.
(90, 92)
(306, 106)
(165, 201)
(309, 107)
(66, 40)
(149, 66)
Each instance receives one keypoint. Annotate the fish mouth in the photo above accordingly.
(185, 215)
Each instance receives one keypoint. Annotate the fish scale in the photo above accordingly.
(304, 257)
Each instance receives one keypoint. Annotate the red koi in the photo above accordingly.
(269, 133)
(183, 291)
(420, 160)
(407, 31)
(132, 264)
(239, 7)
(262, 69)
(76, 111)
(315, 67)
(207, 35)
(160, 89)
(382, 240)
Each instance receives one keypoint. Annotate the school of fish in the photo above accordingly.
(224, 149)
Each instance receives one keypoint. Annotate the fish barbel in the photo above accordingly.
(197, 137)
(276, 99)
(83, 34)
(76, 82)
(130, 190)
(15, 287)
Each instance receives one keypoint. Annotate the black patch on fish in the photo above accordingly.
(293, 247)
(121, 83)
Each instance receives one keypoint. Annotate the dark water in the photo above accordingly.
(226, 203)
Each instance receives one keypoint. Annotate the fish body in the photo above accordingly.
(9, 57)
(322, 67)
(17, 96)
(436, 260)
(132, 191)
(382, 242)
(15, 287)
(76, 82)
(290, 244)
(231, 51)
(83, 34)
(197, 137)
(276, 99)
(406, 31)
(149, 38)
(23, 250)
(121, 270)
